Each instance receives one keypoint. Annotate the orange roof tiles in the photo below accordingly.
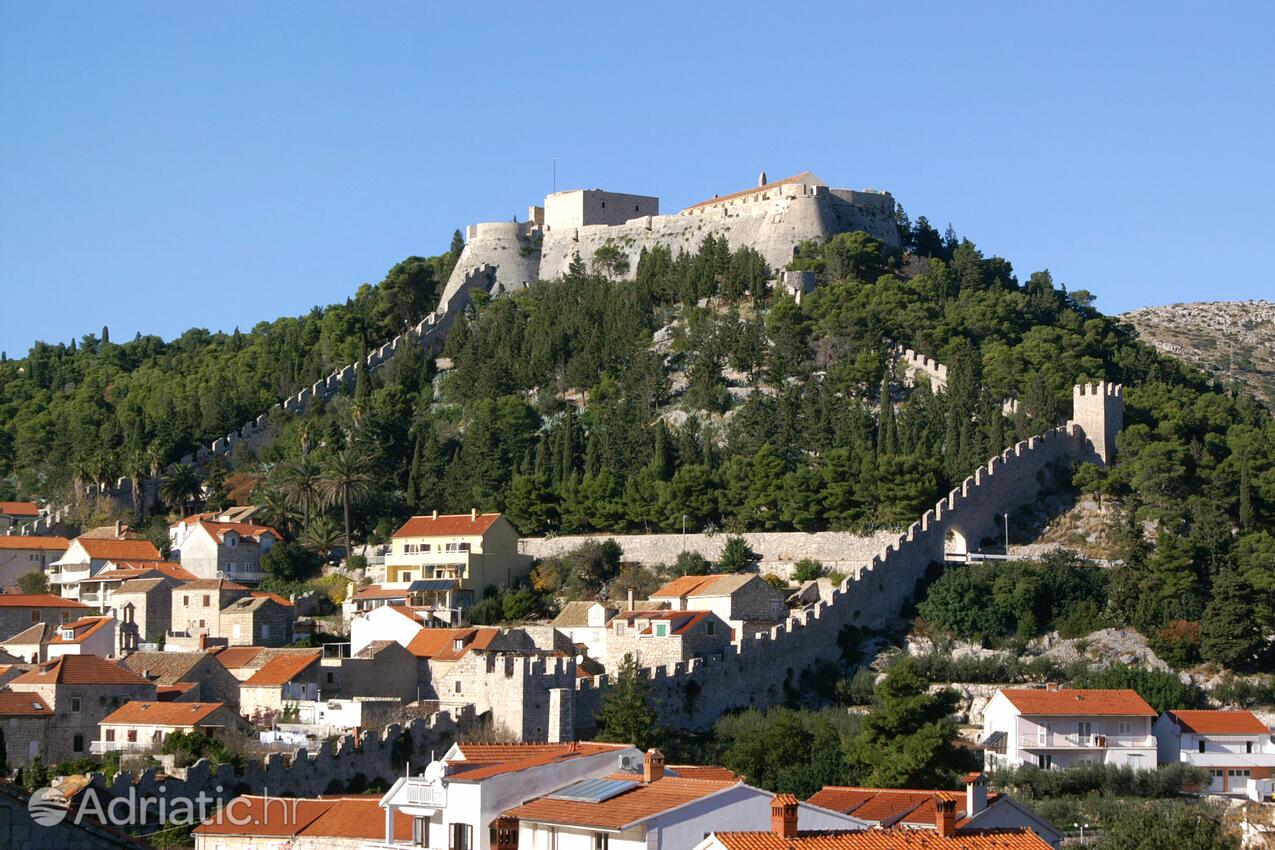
(25, 542)
(1220, 722)
(336, 817)
(681, 622)
(447, 525)
(261, 594)
(622, 810)
(19, 509)
(82, 629)
(119, 550)
(886, 839)
(37, 600)
(127, 570)
(698, 771)
(79, 670)
(139, 713)
(1067, 701)
(360, 817)
(234, 657)
(486, 760)
(244, 529)
(888, 806)
(283, 668)
(686, 586)
(440, 644)
(212, 584)
(796, 178)
(23, 705)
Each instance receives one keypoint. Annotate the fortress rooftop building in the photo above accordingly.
(772, 217)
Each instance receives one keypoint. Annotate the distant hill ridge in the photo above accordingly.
(1231, 340)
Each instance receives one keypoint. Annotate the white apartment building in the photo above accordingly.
(1051, 727)
(1234, 746)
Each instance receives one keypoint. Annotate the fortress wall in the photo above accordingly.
(758, 671)
(928, 366)
(779, 550)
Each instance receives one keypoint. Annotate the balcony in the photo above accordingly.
(241, 574)
(100, 747)
(1059, 741)
(425, 794)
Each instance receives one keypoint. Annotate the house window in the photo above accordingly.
(1248, 746)
(35, 616)
(1084, 732)
(207, 600)
(1125, 728)
(75, 705)
(661, 629)
(711, 628)
(77, 744)
(265, 631)
(110, 734)
(619, 628)
(233, 541)
(66, 616)
(185, 599)
(132, 736)
(1201, 745)
(458, 686)
(600, 840)
(420, 832)
(461, 837)
(331, 677)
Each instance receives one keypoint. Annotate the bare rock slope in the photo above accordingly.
(1233, 340)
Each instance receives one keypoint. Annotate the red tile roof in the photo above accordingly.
(32, 542)
(686, 586)
(1123, 703)
(79, 670)
(482, 761)
(170, 693)
(127, 570)
(1220, 722)
(235, 657)
(447, 525)
(19, 509)
(680, 622)
(888, 806)
(119, 550)
(630, 807)
(83, 628)
(886, 839)
(704, 771)
(375, 591)
(37, 600)
(440, 644)
(283, 668)
(261, 594)
(141, 713)
(211, 584)
(335, 817)
(23, 705)
(244, 529)
(796, 178)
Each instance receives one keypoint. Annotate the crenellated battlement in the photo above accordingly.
(913, 363)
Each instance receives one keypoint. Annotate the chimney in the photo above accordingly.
(1051, 686)
(473, 514)
(652, 766)
(506, 831)
(761, 179)
(975, 793)
(118, 529)
(435, 513)
(783, 815)
(632, 601)
(945, 817)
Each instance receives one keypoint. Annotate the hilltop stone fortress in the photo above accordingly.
(772, 217)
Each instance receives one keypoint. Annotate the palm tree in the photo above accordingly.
(136, 469)
(181, 486)
(275, 508)
(299, 481)
(321, 536)
(346, 479)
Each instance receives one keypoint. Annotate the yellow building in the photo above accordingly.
(477, 550)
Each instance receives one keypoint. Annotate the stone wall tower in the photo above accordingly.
(1099, 411)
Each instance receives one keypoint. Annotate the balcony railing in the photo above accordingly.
(1060, 741)
(99, 747)
(426, 794)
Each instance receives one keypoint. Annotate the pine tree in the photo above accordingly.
(1229, 632)
(627, 715)
(1246, 495)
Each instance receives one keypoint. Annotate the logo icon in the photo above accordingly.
(47, 807)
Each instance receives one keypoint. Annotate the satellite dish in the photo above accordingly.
(435, 771)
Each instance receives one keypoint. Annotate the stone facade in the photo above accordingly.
(152, 601)
(20, 616)
(25, 737)
(515, 689)
(380, 670)
(256, 621)
(78, 710)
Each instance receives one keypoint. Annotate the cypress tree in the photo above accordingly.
(887, 427)
(1229, 633)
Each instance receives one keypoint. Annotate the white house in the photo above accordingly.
(457, 804)
(649, 808)
(229, 550)
(745, 601)
(1052, 727)
(1234, 746)
(88, 556)
(585, 623)
(85, 636)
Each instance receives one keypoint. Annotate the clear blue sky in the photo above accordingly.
(166, 165)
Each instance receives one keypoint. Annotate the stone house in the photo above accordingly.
(142, 726)
(87, 556)
(655, 638)
(20, 555)
(20, 611)
(328, 823)
(241, 661)
(211, 681)
(99, 590)
(649, 808)
(152, 601)
(477, 550)
(1052, 727)
(526, 696)
(1235, 747)
(225, 611)
(14, 514)
(290, 676)
(30, 645)
(382, 669)
(214, 549)
(81, 690)
(746, 602)
(585, 623)
(25, 721)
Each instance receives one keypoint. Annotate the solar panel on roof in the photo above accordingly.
(593, 790)
(432, 584)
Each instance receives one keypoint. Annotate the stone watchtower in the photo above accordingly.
(1099, 411)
